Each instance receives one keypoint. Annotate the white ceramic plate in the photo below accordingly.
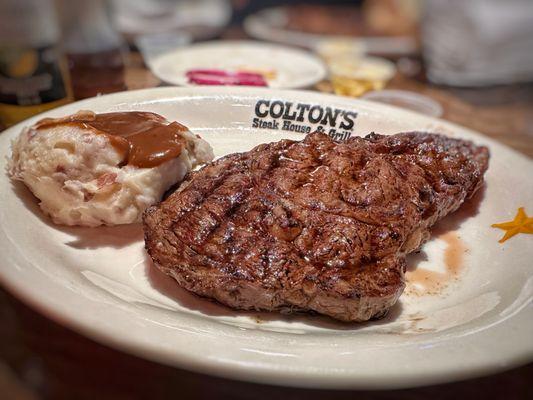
(270, 25)
(100, 282)
(293, 68)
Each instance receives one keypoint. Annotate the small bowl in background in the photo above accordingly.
(409, 100)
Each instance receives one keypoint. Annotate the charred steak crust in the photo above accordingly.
(312, 225)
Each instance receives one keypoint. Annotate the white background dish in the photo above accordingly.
(201, 19)
(99, 281)
(270, 24)
(294, 68)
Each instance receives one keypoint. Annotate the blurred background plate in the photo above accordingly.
(291, 26)
(201, 19)
(283, 67)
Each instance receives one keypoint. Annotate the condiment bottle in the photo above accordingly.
(32, 69)
(94, 48)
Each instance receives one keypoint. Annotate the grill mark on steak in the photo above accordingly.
(312, 225)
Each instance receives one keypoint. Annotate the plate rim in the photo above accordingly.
(401, 379)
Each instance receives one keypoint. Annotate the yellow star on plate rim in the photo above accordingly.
(520, 224)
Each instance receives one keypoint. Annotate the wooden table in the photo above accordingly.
(41, 359)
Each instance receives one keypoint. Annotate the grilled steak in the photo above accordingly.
(312, 225)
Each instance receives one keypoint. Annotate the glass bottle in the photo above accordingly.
(93, 47)
(33, 74)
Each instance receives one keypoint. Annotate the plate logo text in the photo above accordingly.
(304, 118)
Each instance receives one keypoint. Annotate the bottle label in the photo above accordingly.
(30, 76)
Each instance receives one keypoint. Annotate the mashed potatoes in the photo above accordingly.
(80, 179)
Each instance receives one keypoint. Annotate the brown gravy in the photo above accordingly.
(431, 282)
(145, 139)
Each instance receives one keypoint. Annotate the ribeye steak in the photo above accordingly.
(312, 225)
